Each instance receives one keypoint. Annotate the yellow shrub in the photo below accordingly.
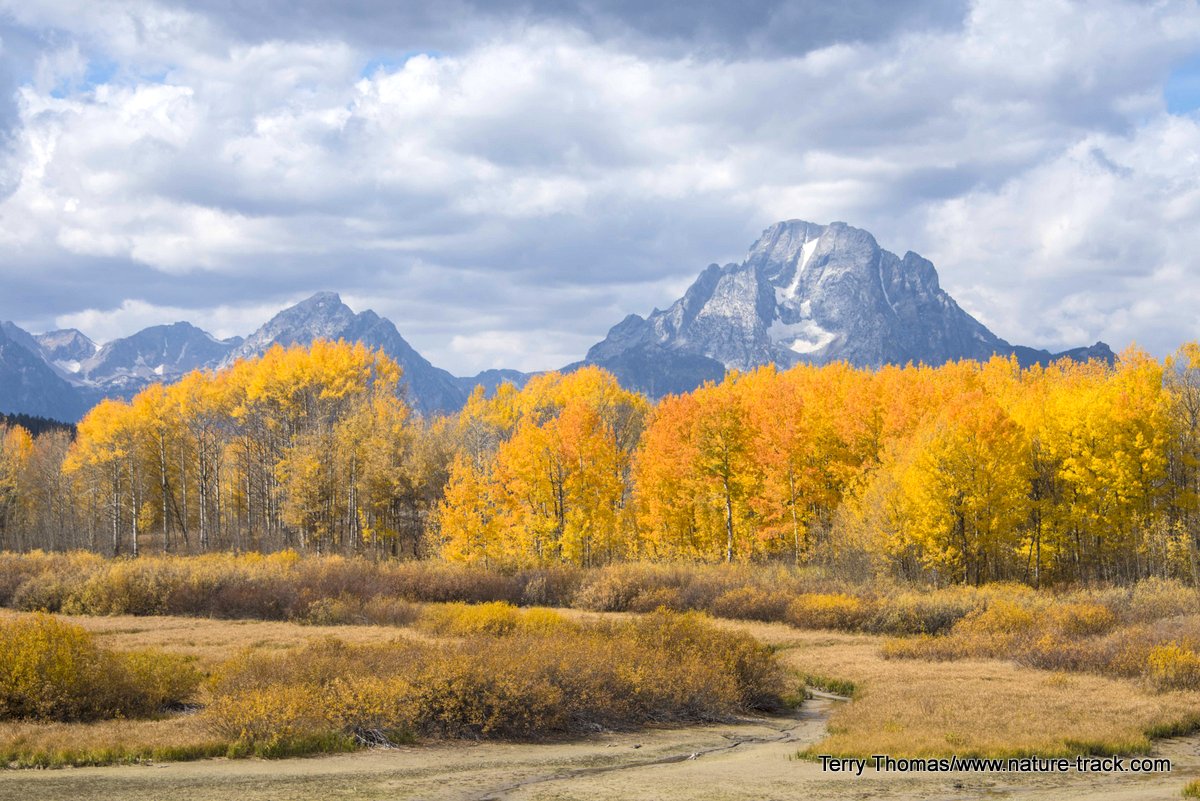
(1173, 666)
(827, 611)
(540, 619)
(373, 709)
(549, 679)
(1081, 619)
(268, 717)
(51, 670)
(495, 619)
(1001, 618)
(461, 620)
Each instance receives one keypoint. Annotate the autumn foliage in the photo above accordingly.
(969, 472)
(522, 681)
(52, 670)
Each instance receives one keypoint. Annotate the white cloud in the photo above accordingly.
(483, 194)
(1099, 241)
(134, 315)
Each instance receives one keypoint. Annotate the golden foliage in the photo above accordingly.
(50, 670)
(514, 675)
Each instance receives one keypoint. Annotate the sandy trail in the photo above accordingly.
(751, 759)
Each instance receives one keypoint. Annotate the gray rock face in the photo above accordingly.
(808, 293)
(324, 316)
(66, 346)
(125, 366)
(30, 386)
(491, 380)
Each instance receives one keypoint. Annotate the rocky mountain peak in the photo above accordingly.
(325, 316)
(813, 293)
(158, 353)
(66, 345)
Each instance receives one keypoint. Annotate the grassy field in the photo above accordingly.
(900, 707)
(459, 671)
(974, 706)
(297, 656)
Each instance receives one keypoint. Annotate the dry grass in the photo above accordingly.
(505, 672)
(978, 700)
(1150, 638)
(179, 737)
(985, 707)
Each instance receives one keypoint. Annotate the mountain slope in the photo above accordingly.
(324, 316)
(30, 386)
(66, 348)
(158, 353)
(806, 293)
(491, 380)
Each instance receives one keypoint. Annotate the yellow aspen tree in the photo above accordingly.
(965, 481)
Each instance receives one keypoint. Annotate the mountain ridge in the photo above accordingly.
(809, 293)
(805, 293)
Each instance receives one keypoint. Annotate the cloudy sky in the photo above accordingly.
(506, 180)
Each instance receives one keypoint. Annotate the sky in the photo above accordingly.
(506, 179)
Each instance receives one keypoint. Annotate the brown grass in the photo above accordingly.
(294, 689)
(181, 736)
(983, 707)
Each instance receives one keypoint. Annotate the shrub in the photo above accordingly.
(541, 679)
(459, 620)
(382, 611)
(51, 670)
(349, 610)
(41, 593)
(333, 612)
(751, 603)
(827, 611)
(932, 612)
(1080, 619)
(495, 619)
(650, 600)
(1172, 666)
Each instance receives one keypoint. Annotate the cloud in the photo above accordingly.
(506, 181)
(134, 315)
(712, 27)
(1105, 232)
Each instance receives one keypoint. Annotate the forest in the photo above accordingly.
(965, 473)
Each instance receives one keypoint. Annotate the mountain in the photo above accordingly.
(324, 316)
(61, 374)
(67, 348)
(125, 366)
(491, 380)
(805, 293)
(28, 385)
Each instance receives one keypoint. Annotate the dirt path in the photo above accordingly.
(748, 760)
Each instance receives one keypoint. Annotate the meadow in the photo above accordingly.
(281, 655)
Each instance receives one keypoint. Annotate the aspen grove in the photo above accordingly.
(968, 472)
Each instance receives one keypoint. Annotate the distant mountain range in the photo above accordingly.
(805, 293)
